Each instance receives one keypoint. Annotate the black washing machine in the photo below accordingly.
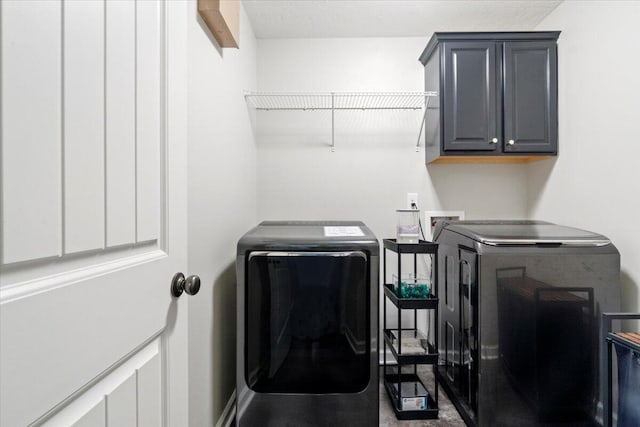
(520, 320)
(307, 350)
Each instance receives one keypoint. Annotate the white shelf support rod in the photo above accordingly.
(422, 123)
(333, 141)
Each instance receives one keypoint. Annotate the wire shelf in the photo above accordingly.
(338, 100)
(312, 101)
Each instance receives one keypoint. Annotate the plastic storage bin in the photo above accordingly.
(408, 227)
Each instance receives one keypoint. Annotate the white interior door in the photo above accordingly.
(93, 131)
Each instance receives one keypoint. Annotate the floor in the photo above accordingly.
(448, 416)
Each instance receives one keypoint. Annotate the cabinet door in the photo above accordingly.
(530, 97)
(471, 116)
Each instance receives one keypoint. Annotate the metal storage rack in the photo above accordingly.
(393, 380)
(333, 101)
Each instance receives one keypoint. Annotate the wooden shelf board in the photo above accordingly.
(223, 20)
(488, 159)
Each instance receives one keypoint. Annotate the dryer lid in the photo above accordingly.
(497, 233)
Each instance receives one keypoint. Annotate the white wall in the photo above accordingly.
(594, 182)
(222, 206)
(375, 163)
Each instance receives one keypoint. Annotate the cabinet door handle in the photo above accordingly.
(511, 142)
(494, 141)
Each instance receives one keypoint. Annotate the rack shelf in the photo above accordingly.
(337, 101)
(391, 385)
(422, 247)
(429, 356)
(409, 303)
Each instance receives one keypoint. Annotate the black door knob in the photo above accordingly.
(179, 284)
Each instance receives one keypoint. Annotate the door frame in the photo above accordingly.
(175, 342)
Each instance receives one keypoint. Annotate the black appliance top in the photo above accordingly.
(498, 233)
(308, 235)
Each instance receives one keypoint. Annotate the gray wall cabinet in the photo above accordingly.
(497, 96)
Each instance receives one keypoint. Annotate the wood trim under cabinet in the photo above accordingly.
(487, 159)
(223, 20)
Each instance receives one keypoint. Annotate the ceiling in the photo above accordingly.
(390, 18)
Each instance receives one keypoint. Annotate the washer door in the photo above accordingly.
(307, 322)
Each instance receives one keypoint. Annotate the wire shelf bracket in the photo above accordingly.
(337, 101)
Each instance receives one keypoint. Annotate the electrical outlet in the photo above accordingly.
(412, 198)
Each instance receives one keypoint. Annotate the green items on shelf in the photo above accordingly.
(411, 286)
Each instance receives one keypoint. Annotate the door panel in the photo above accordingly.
(121, 404)
(83, 135)
(530, 97)
(449, 312)
(469, 359)
(90, 161)
(31, 117)
(470, 86)
(148, 102)
(149, 393)
(120, 92)
(94, 418)
(109, 400)
(55, 342)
